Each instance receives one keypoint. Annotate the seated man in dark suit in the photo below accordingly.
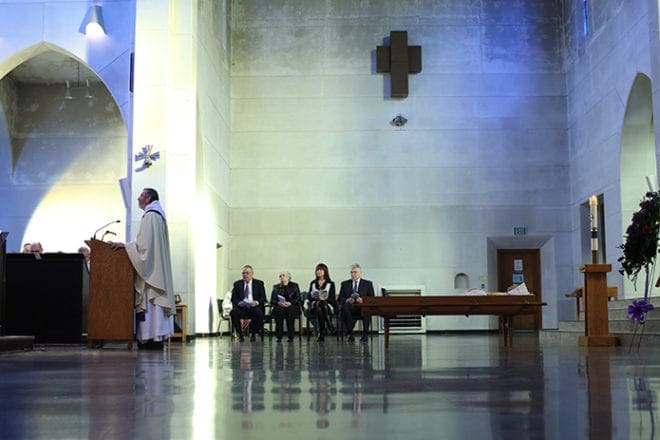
(248, 298)
(352, 291)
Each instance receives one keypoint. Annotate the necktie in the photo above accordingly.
(246, 292)
(355, 286)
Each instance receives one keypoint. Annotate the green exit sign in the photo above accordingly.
(520, 230)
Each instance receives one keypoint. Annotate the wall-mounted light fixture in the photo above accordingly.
(92, 24)
(67, 94)
(88, 92)
(398, 121)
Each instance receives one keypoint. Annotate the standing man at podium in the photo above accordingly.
(154, 291)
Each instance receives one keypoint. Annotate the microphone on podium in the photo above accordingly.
(107, 224)
(106, 233)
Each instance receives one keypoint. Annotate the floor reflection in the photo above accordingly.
(433, 386)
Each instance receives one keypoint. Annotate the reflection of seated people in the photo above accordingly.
(84, 250)
(286, 379)
(247, 381)
(322, 391)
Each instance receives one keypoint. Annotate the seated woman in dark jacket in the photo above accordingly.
(285, 300)
(323, 302)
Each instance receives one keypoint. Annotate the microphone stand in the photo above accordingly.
(107, 224)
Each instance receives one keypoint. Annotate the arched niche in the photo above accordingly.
(638, 158)
(62, 151)
(461, 281)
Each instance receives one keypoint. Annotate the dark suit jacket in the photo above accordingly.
(365, 288)
(291, 293)
(258, 293)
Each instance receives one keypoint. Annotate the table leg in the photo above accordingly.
(387, 332)
(509, 331)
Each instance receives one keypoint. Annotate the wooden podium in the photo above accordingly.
(596, 320)
(111, 297)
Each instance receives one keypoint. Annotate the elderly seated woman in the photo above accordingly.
(285, 301)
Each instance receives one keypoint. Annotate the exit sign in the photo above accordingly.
(520, 230)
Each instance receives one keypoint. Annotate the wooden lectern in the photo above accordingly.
(596, 320)
(111, 297)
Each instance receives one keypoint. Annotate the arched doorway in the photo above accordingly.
(638, 159)
(62, 152)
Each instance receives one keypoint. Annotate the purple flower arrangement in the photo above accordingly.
(640, 249)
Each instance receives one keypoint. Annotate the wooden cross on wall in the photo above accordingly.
(399, 60)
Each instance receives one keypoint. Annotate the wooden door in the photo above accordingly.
(513, 266)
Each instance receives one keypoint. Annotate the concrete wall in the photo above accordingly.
(62, 149)
(211, 218)
(59, 182)
(600, 70)
(319, 174)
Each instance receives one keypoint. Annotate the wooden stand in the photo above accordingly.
(182, 310)
(111, 297)
(596, 321)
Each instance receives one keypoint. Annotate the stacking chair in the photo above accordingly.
(223, 319)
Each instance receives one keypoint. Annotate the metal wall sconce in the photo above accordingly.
(398, 121)
(92, 24)
(88, 92)
(67, 94)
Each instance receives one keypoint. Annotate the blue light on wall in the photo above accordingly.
(585, 15)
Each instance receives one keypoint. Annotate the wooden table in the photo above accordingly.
(504, 306)
(182, 309)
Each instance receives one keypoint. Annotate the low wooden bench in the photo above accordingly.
(612, 294)
(503, 306)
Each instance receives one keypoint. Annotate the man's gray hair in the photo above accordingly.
(288, 274)
(356, 266)
(247, 266)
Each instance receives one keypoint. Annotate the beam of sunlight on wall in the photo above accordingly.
(205, 265)
(69, 214)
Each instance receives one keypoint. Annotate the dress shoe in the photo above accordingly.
(279, 339)
(253, 338)
(289, 339)
(241, 338)
(351, 338)
(321, 338)
(364, 338)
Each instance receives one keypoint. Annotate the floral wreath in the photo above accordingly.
(640, 250)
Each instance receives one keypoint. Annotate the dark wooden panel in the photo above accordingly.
(3, 261)
(44, 297)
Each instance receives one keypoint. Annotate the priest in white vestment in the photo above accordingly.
(154, 292)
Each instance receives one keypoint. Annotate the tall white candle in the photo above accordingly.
(593, 210)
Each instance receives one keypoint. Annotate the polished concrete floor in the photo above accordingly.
(424, 387)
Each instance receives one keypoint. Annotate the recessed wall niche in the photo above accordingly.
(461, 281)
